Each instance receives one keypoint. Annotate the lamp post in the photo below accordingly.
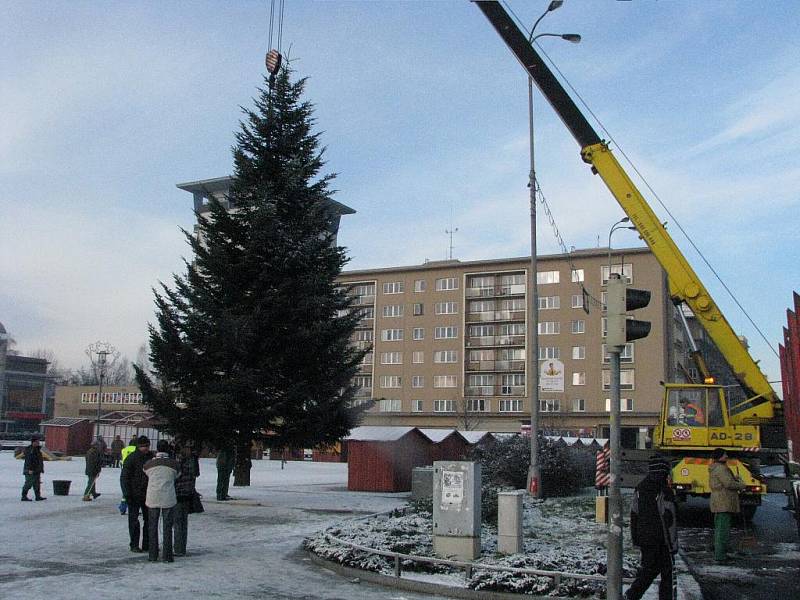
(534, 472)
(99, 354)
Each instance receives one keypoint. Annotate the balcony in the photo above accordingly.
(364, 300)
(496, 291)
(481, 390)
(494, 366)
(504, 391)
(364, 392)
(362, 345)
(495, 315)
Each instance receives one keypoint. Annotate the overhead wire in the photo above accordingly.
(645, 182)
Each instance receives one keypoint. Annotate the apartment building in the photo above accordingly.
(450, 344)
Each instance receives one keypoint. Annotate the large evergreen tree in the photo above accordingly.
(253, 341)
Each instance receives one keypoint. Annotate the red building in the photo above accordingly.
(446, 444)
(70, 435)
(380, 459)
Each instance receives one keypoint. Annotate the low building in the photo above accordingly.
(81, 400)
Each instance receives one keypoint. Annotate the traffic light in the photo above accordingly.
(620, 300)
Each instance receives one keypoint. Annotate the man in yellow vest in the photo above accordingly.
(125, 452)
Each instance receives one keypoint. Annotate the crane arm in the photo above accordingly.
(685, 285)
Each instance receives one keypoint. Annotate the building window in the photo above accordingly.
(419, 285)
(579, 378)
(367, 360)
(549, 327)
(389, 405)
(419, 309)
(393, 310)
(446, 283)
(478, 405)
(627, 380)
(604, 326)
(549, 302)
(391, 381)
(577, 275)
(363, 335)
(392, 335)
(441, 406)
(368, 312)
(603, 301)
(445, 356)
(481, 306)
(445, 381)
(543, 277)
(578, 352)
(363, 289)
(481, 330)
(625, 356)
(485, 380)
(446, 308)
(416, 406)
(625, 404)
(391, 358)
(549, 352)
(513, 304)
(481, 355)
(512, 329)
(418, 333)
(444, 333)
(625, 270)
(577, 300)
(510, 405)
(418, 357)
(550, 405)
(418, 381)
(393, 287)
(512, 384)
(579, 326)
(578, 405)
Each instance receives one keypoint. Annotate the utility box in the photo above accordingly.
(601, 509)
(457, 509)
(421, 483)
(509, 522)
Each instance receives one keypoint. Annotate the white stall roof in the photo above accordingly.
(375, 433)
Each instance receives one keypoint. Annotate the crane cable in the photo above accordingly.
(279, 37)
(648, 186)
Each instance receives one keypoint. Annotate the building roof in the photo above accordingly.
(437, 435)
(223, 184)
(439, 264)
(63, 421)
(375, 433)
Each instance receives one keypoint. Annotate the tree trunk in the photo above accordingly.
(241, 470)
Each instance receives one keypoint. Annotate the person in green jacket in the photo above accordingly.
(725, 488)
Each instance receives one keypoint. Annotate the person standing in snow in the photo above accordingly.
(161, 471)
(724, 501)
(94, 464)
(116, 451)
(653, 529)
(225, 464)
(184, 491)
(32, 469)
(133, 481)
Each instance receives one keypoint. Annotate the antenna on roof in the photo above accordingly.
(450, 232)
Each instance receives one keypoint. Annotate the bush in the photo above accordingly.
(505, 466)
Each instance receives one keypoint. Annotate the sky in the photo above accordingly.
(106, 106)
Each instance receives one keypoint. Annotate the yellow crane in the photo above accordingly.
(695, 418)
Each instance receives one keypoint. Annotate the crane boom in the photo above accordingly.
(685, 286)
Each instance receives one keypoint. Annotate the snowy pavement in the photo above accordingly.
(248, 548)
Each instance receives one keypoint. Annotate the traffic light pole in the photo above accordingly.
(614, 543)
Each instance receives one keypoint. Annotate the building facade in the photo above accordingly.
(449, 344)
(81, 400)
(25, 390)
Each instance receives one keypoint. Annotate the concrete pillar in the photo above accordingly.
(509, 522)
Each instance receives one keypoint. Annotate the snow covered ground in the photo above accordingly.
(248, 548)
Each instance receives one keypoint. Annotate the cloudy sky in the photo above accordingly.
(105, 106)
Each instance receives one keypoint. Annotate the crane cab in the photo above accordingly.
(696, 416)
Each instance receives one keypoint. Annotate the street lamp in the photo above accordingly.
(102, 355)
(534, 473)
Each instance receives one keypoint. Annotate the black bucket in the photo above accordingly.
(61, 487)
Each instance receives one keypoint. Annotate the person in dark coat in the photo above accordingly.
(133, 481)
(653, 529)
(225, 463)
(94, 464)
(33, 469)
(185, 491)
(116, 451)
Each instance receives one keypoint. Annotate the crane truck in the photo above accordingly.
(695, 417)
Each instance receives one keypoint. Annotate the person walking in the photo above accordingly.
(724, 503)
(116, 452)
(162, 471)
(32, 469)
(94, 464)
(225, 464)
(133, 481)
(654, 530)
(184, 491)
